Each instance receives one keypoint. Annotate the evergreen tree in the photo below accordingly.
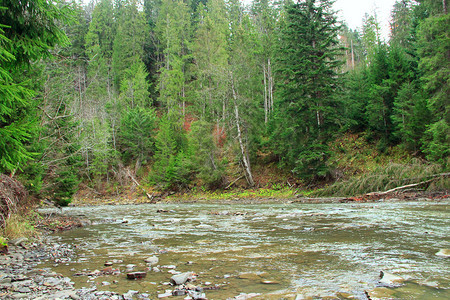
(433, 47)
(401, 23)
(174, 33)
(370, 36)
(136, 137)
(129, 39)
(204, 155)
(411, 116)
(170, 158)
(308, 80)
(211, 63)
(29, 29)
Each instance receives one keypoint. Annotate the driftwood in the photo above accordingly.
(150, 197)
(404, 187)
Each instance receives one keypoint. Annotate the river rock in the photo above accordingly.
(443, 253)
(51, 281)
(244, 296)
(136, 275)
(182, 278)
(129, 295)
(19, 241)
(179, 292)
(152, 260)
(197, 295)
(23, 289)
(390, 280)
(168, 293)
(130, 267)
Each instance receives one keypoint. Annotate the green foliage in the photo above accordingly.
(136, 137)
(433, 46)
(100, 37)
(437, 142)
(204, 153)
(169, 159)
(65, 186)
(129, 40)
(356, 97)
(134, 86)
(410, 116)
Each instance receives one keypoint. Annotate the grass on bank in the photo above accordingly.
(203, 194)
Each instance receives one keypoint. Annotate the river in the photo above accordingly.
(280, 250)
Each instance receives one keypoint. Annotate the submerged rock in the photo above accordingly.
(380, 293)
(443, 253)
(244, 296)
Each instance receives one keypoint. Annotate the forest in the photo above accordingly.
(190, 95)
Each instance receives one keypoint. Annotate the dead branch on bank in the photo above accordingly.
(12, 196)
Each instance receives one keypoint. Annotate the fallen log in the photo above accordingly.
(150, 197)
(403, 187)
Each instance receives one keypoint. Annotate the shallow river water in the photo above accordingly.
(278, 250)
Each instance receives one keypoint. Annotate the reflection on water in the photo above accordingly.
(278, 250)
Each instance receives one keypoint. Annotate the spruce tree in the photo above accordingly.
(307, 81)
(28, 30)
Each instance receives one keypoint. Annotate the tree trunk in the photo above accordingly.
(353, 55)
(266, 106)
(269, 72)
(245, 160)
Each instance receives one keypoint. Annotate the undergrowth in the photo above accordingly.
(18, 225)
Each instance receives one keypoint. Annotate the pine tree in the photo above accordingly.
(307, 81)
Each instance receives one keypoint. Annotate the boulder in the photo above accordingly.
(391, 280)
(182, 278)
(443, 253)
(152, 260)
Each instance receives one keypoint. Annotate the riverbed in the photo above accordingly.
(277, 250)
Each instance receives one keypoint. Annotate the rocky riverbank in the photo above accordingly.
(21, 277)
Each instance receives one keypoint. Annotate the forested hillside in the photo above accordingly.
(182, 94)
